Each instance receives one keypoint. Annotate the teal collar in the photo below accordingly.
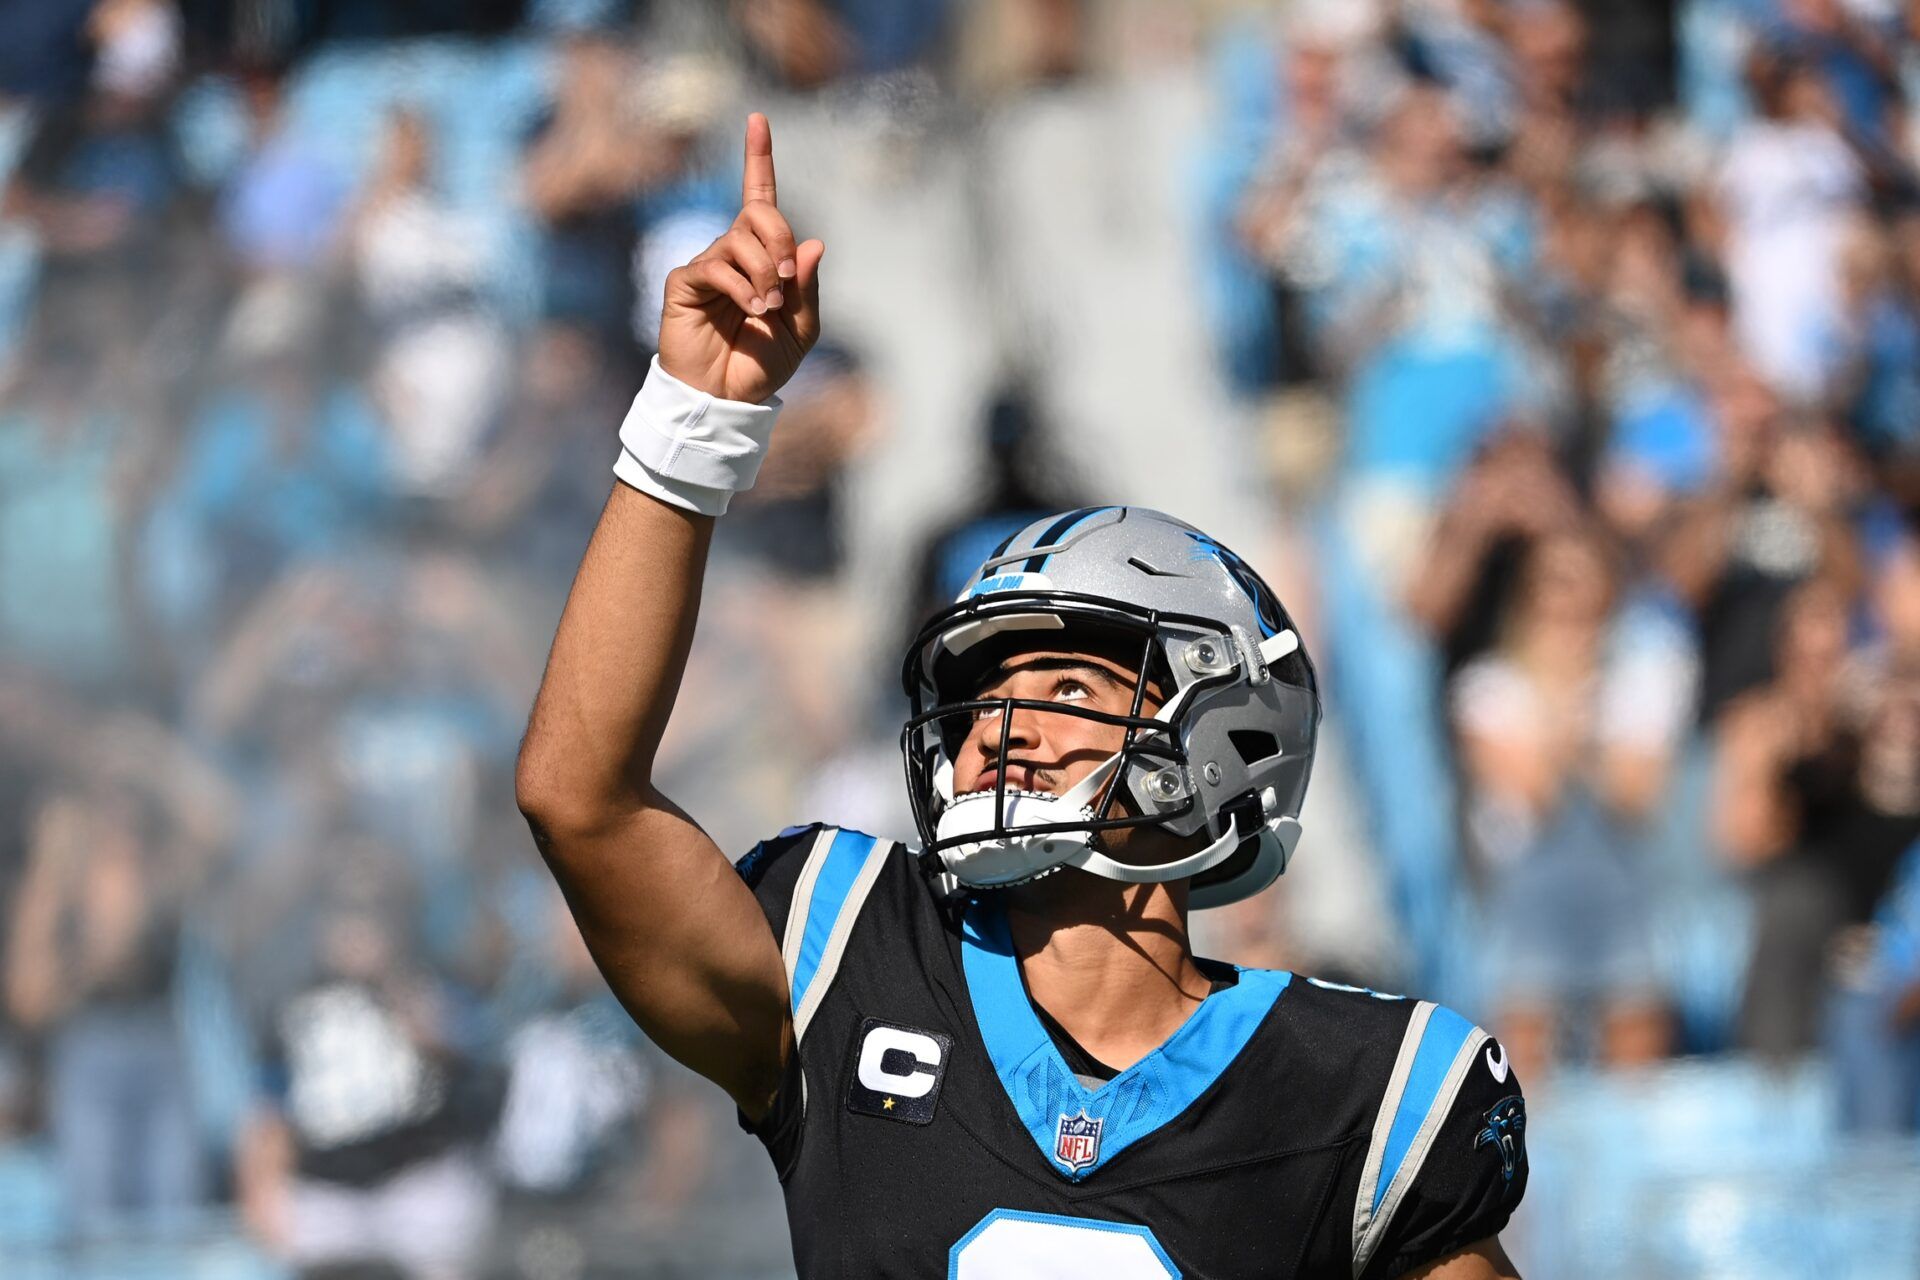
(1078, 1129)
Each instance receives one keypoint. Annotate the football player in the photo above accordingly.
(991, 1052)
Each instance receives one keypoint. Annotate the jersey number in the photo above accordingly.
(1012, 1244)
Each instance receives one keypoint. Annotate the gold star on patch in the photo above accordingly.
(887, 1105)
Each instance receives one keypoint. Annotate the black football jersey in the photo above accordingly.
(929, 1124)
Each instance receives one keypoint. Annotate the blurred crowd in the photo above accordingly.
(1575, 347)
(300, 445)
(1619, 322)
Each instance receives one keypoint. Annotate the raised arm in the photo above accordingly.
(677, 934)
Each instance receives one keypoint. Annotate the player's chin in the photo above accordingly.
(1143, 845)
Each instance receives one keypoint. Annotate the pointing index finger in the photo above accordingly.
(756, 182)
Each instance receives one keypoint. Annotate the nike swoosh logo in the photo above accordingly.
(1497, 1065)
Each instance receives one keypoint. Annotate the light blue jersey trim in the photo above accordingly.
(1085, 1224)
(1437, 1049)
(1439, 1045)
(838, 871)
(1134, 1103)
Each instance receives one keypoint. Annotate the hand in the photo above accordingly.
(738, 319)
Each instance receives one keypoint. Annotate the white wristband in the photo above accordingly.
(688, 448)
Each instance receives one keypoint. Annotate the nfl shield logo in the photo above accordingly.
(1076, 1143)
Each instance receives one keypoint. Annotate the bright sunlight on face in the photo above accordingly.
(1044, 751)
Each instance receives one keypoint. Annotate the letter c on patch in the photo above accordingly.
(910, 1084)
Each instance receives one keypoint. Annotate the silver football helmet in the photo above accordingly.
(1226, 756)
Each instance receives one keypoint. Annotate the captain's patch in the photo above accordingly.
(897, 1071)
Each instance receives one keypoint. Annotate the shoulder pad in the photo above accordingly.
(753, 864)
(1447, 1161)
(824, 876)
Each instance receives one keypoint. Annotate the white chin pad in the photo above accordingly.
(1007, 859)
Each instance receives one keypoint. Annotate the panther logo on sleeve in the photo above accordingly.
(1506, 1129)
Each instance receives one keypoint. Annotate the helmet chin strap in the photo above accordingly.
(1092, 860)
(976, 812)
